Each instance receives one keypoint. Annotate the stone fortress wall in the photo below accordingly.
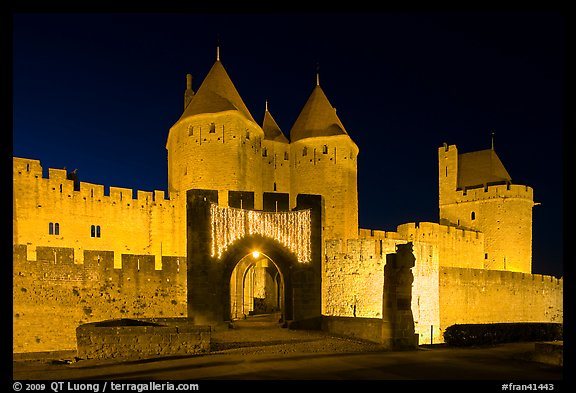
(149, 224)
(53, 295)
(64, 280)
(82, 255)
(470, 197)
(451, 290)
(490, 296)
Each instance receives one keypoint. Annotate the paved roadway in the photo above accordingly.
(273, 353)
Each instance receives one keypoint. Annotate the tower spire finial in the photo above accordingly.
(266, 105)
(218, 47)
(492, 140)
(317, 74)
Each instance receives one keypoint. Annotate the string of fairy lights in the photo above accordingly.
(292, 229)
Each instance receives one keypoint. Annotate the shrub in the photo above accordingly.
(494, 333)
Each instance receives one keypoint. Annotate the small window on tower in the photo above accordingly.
(473, 216)
(51, 228)
(264, 152)
(247, 134)
(325, 149)
(97, 230)
(305, 151)
(212, 128)
(92, 231)
(190, 130)
(285, 156)
(56, 229)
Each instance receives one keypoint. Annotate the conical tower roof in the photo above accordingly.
(216, 94)
(317, 118)
(272, 131)
(479, 168)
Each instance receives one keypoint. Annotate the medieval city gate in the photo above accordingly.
(256, 285)
(224, 242)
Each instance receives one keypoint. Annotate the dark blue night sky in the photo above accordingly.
(98, 92)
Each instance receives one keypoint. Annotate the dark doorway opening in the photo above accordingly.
(256, 287)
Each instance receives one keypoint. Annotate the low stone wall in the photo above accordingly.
(369, 329)
(134, 339)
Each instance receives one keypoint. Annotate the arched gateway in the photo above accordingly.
(224, 245)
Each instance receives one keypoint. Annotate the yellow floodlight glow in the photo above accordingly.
(255, 254)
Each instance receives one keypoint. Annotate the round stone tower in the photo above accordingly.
(476, 192)
(324, 161)
(216, 144)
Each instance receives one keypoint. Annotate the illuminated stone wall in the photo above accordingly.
(53, 295)
(224, 153)
(455, 246)
(230, 158)
(275, 166)
(488, 296)
(354, 281)
(327, 166)
(445, 292)
(503, 213)
(151, 226)
(146, 225)
(264, 290)
(506, 223)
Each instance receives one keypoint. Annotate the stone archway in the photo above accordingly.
(256, 287)
(209, 274)
(239, 259)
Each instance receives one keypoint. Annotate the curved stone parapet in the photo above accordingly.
(136, 339)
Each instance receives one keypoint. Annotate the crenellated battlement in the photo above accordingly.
(377, 234)
(424, 231)
(450, 172)
(454, 246)
(60, 180)
(362, 248)
(26, 166)
(57, 264)
(448, 148)
(500, 277)
(53, 295)
(494, 191)
(476, 192)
